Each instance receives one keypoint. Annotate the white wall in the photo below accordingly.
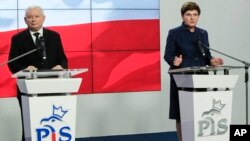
(228, 24)
(121, 114)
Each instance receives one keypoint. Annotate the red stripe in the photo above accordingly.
(126, 35)
(53, 137)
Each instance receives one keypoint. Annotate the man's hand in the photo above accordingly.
(31, 68)
(57, 67)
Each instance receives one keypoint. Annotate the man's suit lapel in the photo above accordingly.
(30, 43)
(46, 36)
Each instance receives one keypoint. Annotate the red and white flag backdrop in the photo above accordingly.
(117, 40)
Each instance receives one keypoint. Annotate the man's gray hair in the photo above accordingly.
(33, 7)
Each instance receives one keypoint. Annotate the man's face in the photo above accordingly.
(190, 18)
(34, 19)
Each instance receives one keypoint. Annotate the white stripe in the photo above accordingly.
(73, 17)
(54, 17)
(61, 17)
(112, 15)
(8, 20)
(66, 4)
(55, 4)
(131, 4)
(8, 4)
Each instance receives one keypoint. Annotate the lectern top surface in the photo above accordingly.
(49, 73)
(208, 68)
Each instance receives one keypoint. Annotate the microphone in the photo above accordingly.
(43, 47)
(200, 46)
(20, 56)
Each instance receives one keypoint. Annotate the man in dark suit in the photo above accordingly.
(25, 41)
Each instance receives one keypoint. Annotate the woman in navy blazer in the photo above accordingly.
(183, 49)
(24, 41)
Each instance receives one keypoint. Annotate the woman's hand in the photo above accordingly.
(177, 60)
(216, 61)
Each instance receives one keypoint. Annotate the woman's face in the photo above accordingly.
(190, 18)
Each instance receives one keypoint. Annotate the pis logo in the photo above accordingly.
(213, 122)
(54, 128)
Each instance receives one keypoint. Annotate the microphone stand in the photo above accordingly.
(246, 75)
(20, 56)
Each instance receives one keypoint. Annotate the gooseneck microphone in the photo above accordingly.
(43, 47)
(200, 46)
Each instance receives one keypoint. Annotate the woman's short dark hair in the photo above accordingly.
(190, 6)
